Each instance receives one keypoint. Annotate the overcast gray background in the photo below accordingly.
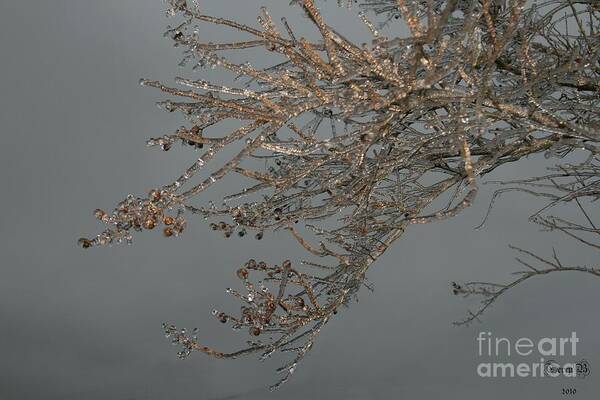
(80, 324)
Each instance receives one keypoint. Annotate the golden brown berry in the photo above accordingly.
(255, 331)
(169, 220)
(168, 232)
(150, 223)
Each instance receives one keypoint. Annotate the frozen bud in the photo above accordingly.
(99, 214)
(154, 195)
(85, 243)
(242, 273)
(104, 239)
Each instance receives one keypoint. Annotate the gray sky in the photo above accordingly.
(87, 325)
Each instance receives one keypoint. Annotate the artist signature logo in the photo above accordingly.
(580, 369)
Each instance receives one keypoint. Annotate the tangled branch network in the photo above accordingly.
(344, 146)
